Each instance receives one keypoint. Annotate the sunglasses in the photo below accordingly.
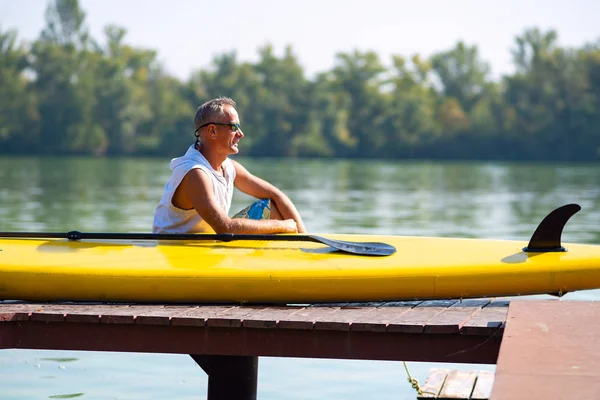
(234, 127)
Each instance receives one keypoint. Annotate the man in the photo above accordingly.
(198, 195)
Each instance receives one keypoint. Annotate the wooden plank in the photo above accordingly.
(454, 317)
(248, 342)
(160, 314)
(380, 318)
(142, 314)
(433, 384)
(458, 385)
(10, 311)
(483, 386)
(233, 317)
(118, 314)
(306, 318)
(46, 312)
(111, 313)
(446, 384)
(550, 349)
(50, 313)
(87, 314)
(415, 319)
(269, 317)
(488, 320)
(509, 387)
(198, 315)
(107, 313)
(188, 318)
(83, 312)
(154, 314)
(343, 318)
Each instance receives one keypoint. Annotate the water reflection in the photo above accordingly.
(485, 200)
(488, 200)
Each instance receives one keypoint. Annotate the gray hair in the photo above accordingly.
(210, 110)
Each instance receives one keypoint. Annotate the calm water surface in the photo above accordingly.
(479, 200)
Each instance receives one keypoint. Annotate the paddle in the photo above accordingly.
(364, 249)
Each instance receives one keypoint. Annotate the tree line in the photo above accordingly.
(65, 93)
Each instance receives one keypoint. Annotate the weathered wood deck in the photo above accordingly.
(226, 341)
(440, 331)
(550, 350)
(458, 385)
(543, 349)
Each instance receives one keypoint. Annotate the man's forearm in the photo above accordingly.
(288, 210)
(250, 226)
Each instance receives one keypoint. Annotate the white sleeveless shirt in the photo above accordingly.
(171, 219)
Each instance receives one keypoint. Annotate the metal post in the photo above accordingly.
(229, 377)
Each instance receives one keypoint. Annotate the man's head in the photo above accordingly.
(212, 110)
(217, 125)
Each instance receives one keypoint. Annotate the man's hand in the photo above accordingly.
(290, 226)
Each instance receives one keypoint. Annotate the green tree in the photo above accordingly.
(326, 132)
(125, 95)
(410, 123)
(551, 97)
(19, 120)
(281, 104)
(64, 84)
(65, 24)
(69, 94)
(171, 123)
(359, 75)
(462, 74)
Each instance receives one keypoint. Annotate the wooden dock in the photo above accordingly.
(226, 341)
(543, 349)
(457, 385)
(550, 350)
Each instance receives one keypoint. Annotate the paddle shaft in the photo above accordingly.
(222, 237)
(370, 249)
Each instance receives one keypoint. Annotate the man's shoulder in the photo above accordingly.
(189, 161)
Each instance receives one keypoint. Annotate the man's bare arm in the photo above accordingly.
(196, 190)
(261, 189)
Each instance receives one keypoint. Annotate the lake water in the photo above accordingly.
(477, 200)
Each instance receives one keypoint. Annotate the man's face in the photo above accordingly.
(228, 136)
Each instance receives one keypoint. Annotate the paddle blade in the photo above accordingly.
(365, 249)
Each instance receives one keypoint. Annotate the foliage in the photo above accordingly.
(66, 93)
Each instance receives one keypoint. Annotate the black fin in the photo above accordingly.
(547, 235)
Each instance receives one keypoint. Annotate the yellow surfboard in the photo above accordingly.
(259, 271)
(288, 271)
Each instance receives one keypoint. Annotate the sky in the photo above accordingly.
(188, 34)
